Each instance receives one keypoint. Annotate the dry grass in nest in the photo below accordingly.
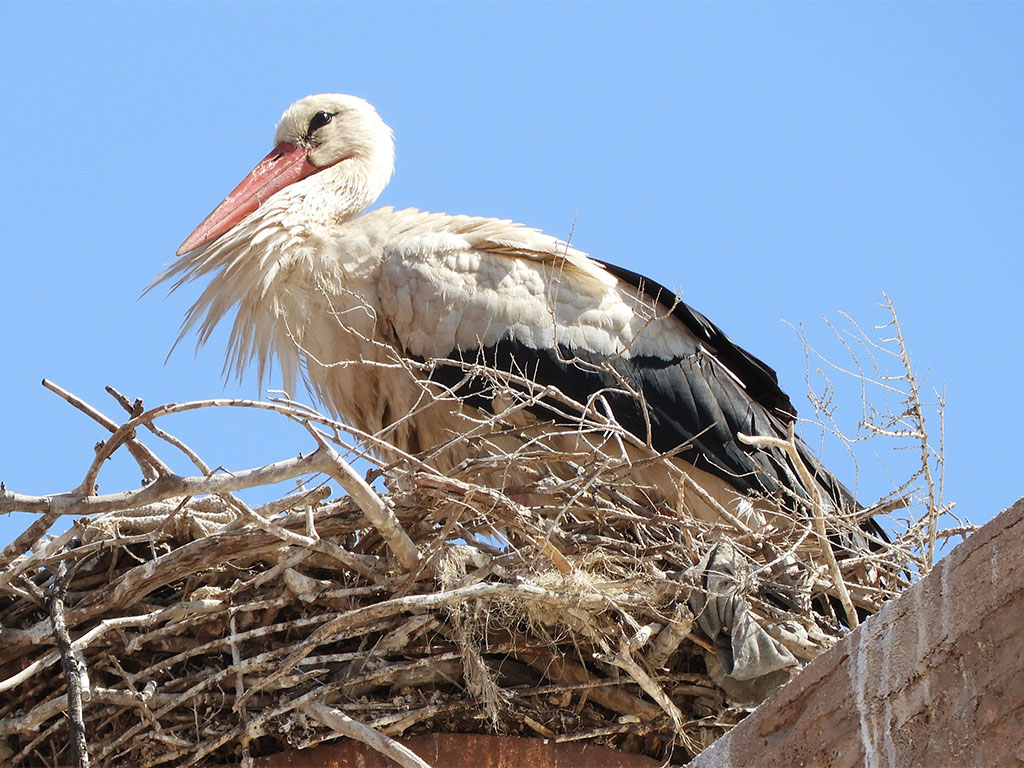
(198, 630)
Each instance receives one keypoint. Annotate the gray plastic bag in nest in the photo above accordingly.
(745, 650)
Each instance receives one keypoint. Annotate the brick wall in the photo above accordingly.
(935, 678)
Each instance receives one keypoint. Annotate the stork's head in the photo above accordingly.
(339, 139)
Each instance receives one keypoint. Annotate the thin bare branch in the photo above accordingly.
(353, 729)
(534, 585)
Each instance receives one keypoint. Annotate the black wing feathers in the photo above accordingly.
(761, 382)
(690, 406)
(694, 403)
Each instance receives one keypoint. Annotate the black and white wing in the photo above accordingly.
(526, 303)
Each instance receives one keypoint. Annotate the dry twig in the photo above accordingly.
(560, 606)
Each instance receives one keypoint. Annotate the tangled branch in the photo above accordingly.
(199, 630)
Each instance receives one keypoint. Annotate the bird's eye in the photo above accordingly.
(320, 119)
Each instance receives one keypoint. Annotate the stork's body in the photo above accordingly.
(369, 306)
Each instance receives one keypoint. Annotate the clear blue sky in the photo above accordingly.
(773, 161)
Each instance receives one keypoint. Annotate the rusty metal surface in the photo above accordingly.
(458, 750)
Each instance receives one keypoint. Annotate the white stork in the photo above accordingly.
(363, 305)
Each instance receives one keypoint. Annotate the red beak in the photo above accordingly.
(285, 165)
